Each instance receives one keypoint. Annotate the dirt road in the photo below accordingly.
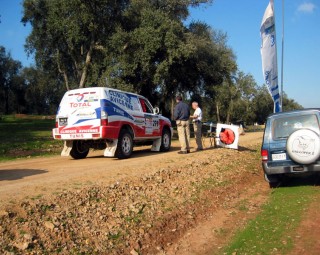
(152, 203)
(40, 176)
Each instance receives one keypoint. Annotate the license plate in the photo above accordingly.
(298, 168)
(279, 156)
(76, 136)
(63, 121)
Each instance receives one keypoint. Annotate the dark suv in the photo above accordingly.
(291, 144)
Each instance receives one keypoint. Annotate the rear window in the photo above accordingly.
(283, 127)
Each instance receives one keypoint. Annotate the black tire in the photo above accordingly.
(274, 180)
(125, 145)
(165, 140)
(79, 150)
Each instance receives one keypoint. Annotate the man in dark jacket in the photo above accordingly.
(181, 115)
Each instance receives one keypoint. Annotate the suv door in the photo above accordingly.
(152, 122)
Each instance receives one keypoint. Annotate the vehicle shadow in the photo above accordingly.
(301, 180)
(147, 152)
(16, 174)
(241, 148)
(138, 152)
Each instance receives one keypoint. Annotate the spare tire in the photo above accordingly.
(303, 146)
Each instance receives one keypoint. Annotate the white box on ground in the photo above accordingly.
(229, 138)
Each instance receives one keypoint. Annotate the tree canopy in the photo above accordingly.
(142, 46)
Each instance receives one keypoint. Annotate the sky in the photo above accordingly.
(241, 21)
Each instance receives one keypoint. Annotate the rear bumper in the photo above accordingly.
(103, 132)
(290, 169)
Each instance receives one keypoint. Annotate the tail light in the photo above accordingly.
(264, 155)
(104, 118)
(57, 123)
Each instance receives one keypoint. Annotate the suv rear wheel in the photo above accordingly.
(274, 180)
(79, 149)
(125, 145)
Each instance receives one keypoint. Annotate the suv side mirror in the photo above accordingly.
(156, 110)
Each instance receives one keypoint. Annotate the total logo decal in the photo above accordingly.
(81, 102)
(80, 97)
(84, 104)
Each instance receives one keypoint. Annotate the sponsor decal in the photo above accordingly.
(121, 99)
(80, 130)
(303, 146)
(80, 97)
(68, 131)
(85, 113)
(139, 121)
(148, 125)
(155, 123)
(91, 99)
(116, 110)
(93, 130)
(75, 105)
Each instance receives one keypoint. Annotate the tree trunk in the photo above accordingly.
(6, 95)
(230, 108)
(85, 68)
(172, 108)
(65, 76)
(218, 112)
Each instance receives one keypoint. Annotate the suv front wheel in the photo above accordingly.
(165, 140)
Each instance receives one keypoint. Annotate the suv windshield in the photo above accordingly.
(284, 126)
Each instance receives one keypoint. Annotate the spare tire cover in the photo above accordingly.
(227, 136)
(303, 146)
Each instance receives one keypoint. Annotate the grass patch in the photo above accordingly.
(26, 137)
(258, 128)
(271, 231)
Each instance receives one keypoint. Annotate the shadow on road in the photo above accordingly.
(15, 174)
(139, 152)
(241, 148)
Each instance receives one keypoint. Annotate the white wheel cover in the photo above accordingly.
(303, 146)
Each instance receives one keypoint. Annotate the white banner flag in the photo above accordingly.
(269, 55)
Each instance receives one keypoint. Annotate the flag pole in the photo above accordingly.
(276, 46)
(282, 53)
(269, 55)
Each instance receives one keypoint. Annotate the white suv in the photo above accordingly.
(109, 119)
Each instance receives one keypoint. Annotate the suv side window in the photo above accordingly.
(283, 127)
(146, 107)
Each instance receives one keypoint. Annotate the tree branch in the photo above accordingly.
(86, 65)
(63, 72)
